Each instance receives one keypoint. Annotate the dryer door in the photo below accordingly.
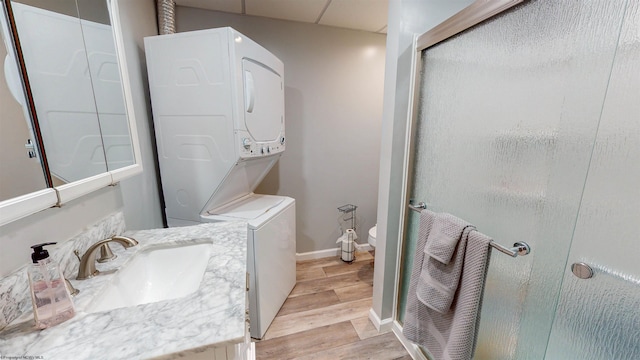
(263, 102)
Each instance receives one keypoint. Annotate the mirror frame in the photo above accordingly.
(25, 205)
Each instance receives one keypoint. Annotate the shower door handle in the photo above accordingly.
(582, 270)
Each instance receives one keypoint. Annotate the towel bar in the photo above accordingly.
(519, 248)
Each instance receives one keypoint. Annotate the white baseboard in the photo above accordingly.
(383, 326)
(328, 252)
(317, 254)
(364, 247)
(412, 349)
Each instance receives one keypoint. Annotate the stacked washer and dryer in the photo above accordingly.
(218, 111)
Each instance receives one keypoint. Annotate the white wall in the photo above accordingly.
(333, 100)
(141, 194)
(137, 197)
(407, 18)
(54, 225)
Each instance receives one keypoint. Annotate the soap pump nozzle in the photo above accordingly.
(39, 253)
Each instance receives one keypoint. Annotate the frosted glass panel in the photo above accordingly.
(508, 115)
(599, 318)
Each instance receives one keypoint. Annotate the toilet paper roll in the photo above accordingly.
(348, 245)
(345, 236)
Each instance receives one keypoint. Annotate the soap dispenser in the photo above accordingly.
(51, 300)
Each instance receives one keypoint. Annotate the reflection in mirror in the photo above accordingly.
(107, 87)
(76, 89)
(20, 168)
(53, 49)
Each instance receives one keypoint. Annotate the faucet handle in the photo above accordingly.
(72, 291)
(76, 252)
(87, 268)
(106, 254)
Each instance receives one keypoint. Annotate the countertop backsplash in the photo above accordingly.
(14, 288)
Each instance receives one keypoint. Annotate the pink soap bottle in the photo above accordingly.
(51, 300)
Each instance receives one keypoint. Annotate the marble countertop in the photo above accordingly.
(212, 316)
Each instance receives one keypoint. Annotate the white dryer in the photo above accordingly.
(218, 109)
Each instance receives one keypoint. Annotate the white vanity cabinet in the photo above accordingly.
(241, 351)
(245, 350)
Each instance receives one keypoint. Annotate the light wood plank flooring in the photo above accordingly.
(326, 316)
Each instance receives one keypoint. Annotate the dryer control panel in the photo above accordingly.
(249, 148)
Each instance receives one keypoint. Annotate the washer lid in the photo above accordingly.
(249, 207)
(241, 179)
(263, 101)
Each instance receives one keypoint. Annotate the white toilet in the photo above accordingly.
(372, 236)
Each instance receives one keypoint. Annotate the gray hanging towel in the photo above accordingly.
(444, 237)
(440, 276)
(451, 335)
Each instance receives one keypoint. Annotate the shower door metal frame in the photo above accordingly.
(472, 15)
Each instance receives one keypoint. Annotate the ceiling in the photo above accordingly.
(367, 15)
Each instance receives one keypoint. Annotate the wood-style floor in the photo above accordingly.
(326, 316)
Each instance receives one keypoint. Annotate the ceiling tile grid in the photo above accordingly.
(231, 6)
(296, 10)
(367, 15)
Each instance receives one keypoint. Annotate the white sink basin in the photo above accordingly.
(157, 273)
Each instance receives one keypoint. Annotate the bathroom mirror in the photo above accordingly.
(21, 171)
(70, 58)
(71, 51)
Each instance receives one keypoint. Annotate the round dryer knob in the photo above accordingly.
(246, 142)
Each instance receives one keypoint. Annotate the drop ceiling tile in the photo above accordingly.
(231, 6)
(368, 15)
(295, 10)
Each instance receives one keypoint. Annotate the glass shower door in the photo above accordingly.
(599, 317)
(508, 114)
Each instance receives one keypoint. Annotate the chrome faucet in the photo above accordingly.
(88, 260)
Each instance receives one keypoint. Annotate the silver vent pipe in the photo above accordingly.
(166, 16)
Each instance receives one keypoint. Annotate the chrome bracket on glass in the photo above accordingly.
(519, 248)
(417, 207)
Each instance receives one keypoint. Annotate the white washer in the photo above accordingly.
(271, 252)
